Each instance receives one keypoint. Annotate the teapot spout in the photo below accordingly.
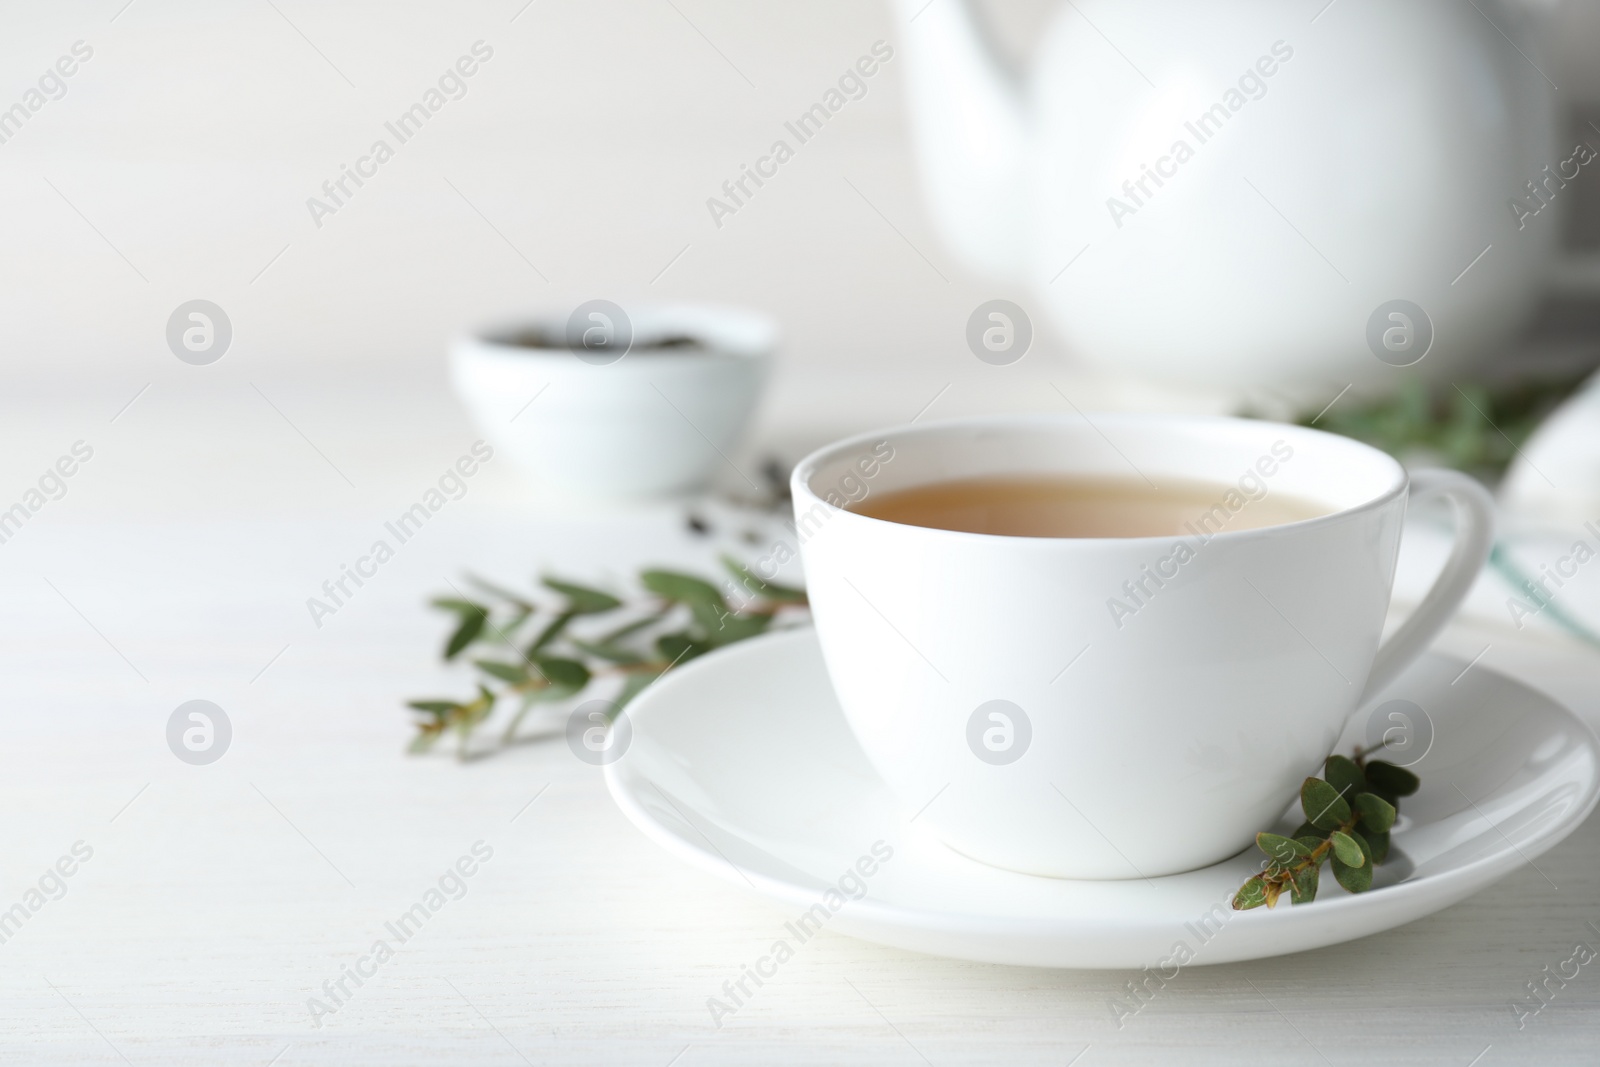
(969, 131)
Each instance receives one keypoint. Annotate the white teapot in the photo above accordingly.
(1251, 194)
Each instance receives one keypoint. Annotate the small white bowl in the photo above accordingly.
(590, 424)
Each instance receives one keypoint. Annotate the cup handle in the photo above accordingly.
(1473, 510)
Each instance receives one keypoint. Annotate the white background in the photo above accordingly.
(179, 562)
(194, 136)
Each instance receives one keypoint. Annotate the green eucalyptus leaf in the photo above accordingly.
(683, 589)
(458, 606)
(1305, 830)
(1283, 850)
(471, 626)
(1342, 773)
(506, 629)
(1345, 849)
(1252, 894)
(1303, 887)
(1376, 813)
(733, 628)
(1311, 842)
(1390, 781)
(611, 637)
(1353, 879)
(424, 741)
(1324, 807)
(611, 653)
(467, 716)
(506, 672)
(680, 647)
(552, 630)
(709, 620)
(1382, 794)
(563, 673)
(437, 708)
(1377, 844)
(581, 599)
(786, 594)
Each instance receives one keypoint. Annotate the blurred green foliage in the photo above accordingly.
(1465, 425)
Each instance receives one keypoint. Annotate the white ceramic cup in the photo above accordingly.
(1000, 692)
(618, 423)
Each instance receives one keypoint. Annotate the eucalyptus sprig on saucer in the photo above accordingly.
(529, 653)
(1349, 813)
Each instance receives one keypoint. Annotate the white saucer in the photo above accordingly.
(742, 764)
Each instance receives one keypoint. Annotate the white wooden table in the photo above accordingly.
(218, 899)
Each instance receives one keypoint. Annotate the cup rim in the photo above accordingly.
(805, 497)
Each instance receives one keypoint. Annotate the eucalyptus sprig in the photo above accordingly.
(530, 653)
(1477, 427)
(1349, 813)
